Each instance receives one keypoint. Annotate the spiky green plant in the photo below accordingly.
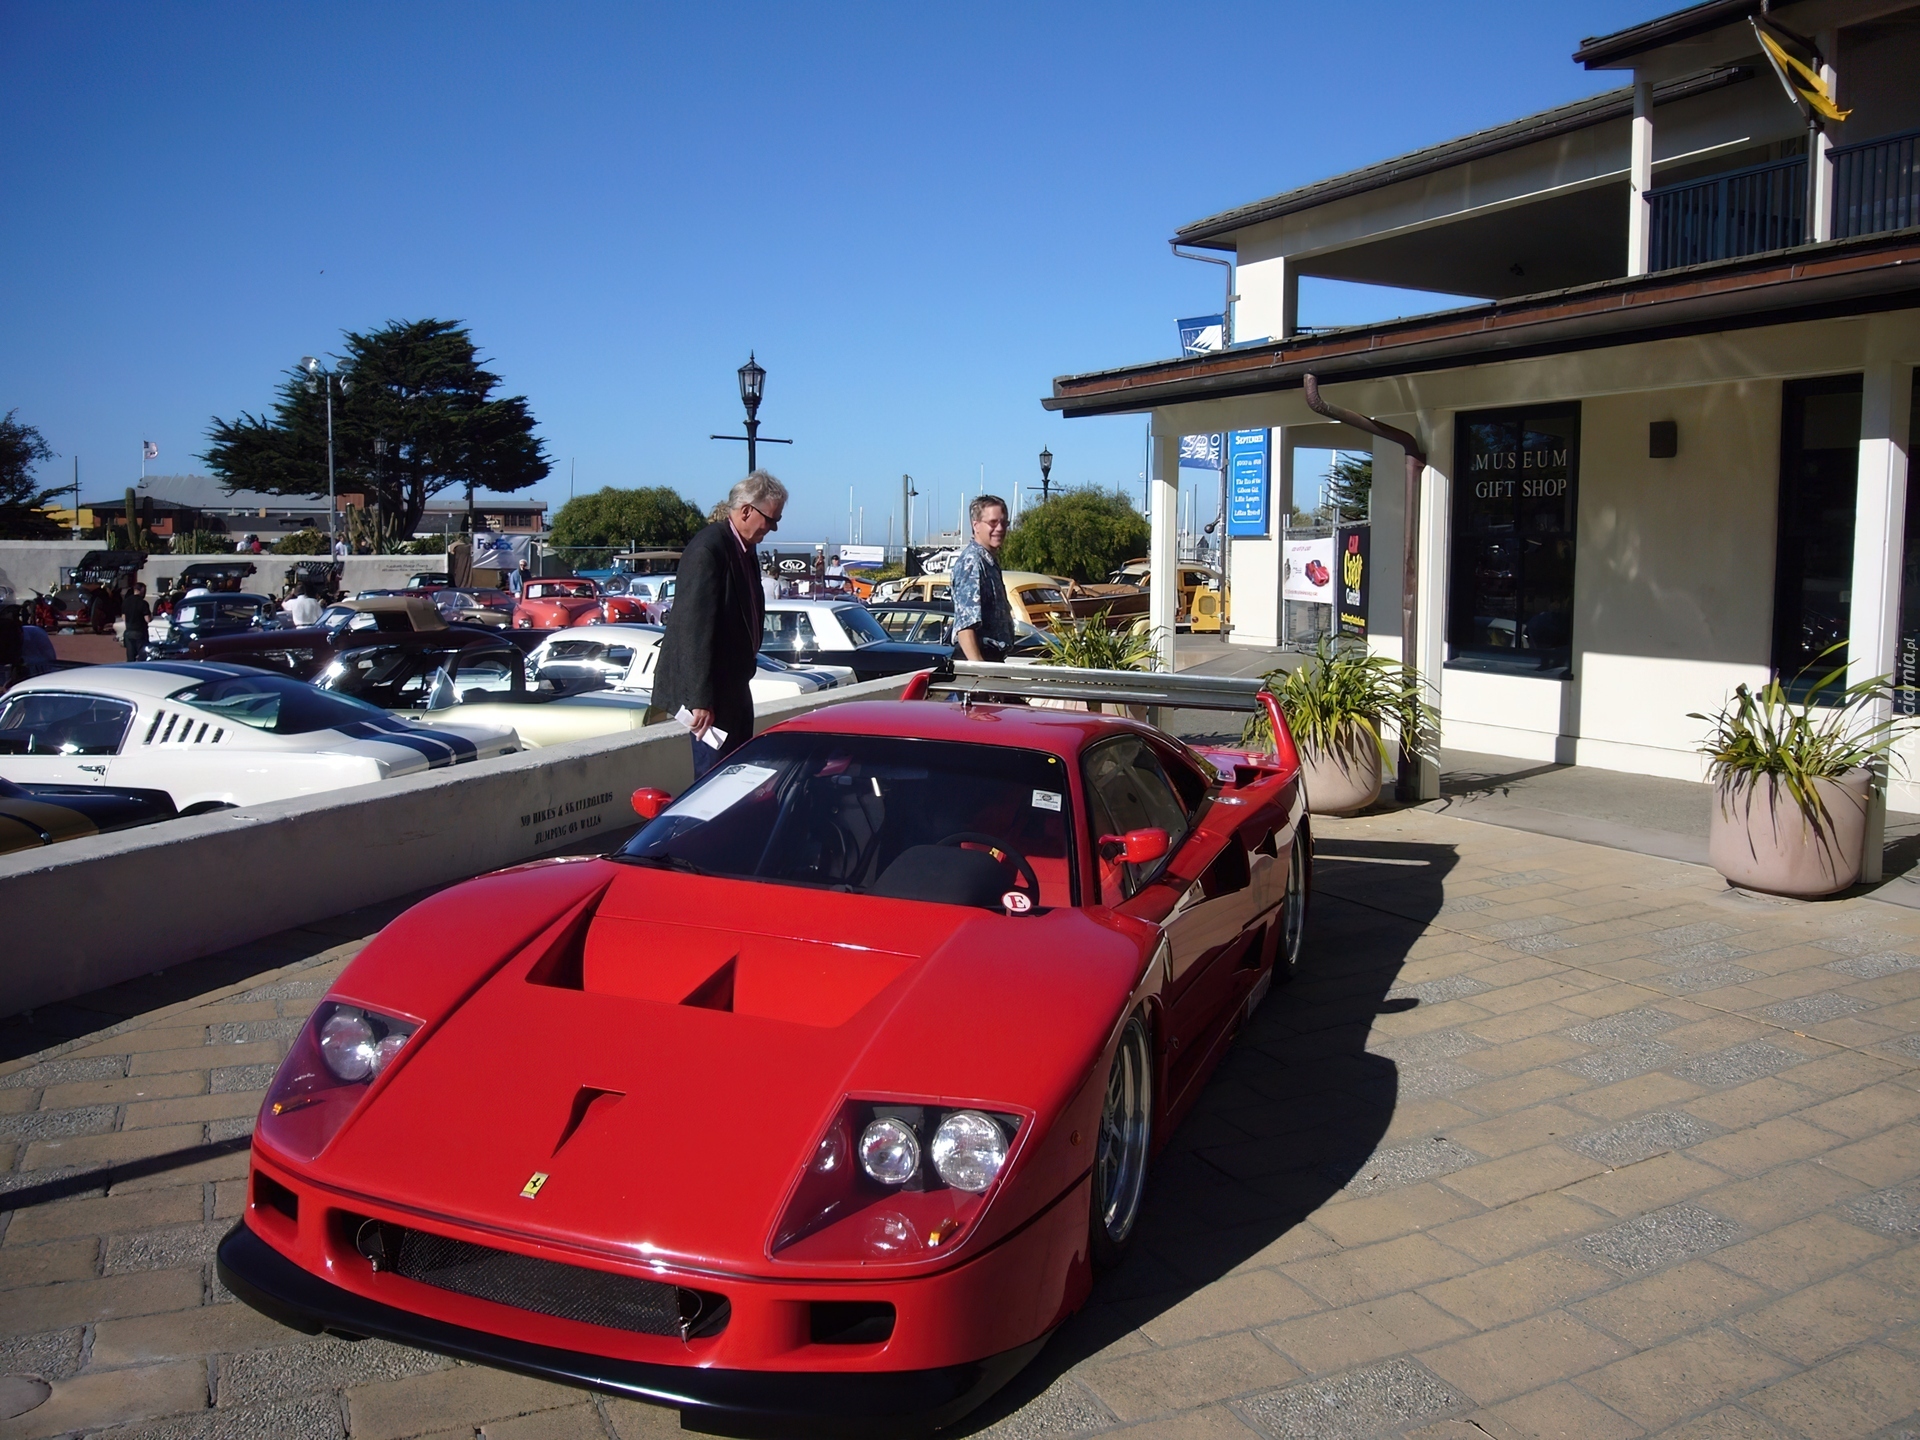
(1765, 732)
(1339, 688)
(1091, 644)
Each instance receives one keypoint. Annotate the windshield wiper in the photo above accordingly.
(668, 862)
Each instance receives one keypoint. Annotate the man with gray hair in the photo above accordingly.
(982, 614)
(710, 650)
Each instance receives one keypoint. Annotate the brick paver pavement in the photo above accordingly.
(1546, 1140)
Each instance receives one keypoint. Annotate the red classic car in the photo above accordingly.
(817, 1104)
(560, 603)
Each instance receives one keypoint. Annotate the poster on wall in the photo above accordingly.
(1247, 487)
(1352, 580)
(1306, 571)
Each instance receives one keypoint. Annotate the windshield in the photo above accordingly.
(392, 678)
(277, 704)
(207, 609)
(859, 624)
(911, 819)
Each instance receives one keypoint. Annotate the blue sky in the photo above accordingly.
(915, 215)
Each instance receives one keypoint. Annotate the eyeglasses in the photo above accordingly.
(773, 521)
(999, 524)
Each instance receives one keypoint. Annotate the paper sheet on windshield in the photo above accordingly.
(722, 791)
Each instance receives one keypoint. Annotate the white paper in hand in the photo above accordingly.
(715, 736)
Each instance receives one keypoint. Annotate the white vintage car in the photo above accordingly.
(623, 656)
(481, 684)
(216, 736)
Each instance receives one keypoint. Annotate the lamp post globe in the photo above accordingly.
(753, 382)
(1046, 471)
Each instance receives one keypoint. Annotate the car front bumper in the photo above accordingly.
(720, 1401)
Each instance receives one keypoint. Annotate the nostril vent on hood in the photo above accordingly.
(716, 991)
(587, 1103)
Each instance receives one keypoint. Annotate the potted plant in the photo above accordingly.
(1334, 704)
(1792, 782)
(1092, 644)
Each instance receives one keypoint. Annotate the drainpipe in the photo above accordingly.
(1408, 781)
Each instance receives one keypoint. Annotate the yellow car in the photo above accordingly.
(1036, 599)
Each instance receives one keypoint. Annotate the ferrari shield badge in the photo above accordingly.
(532, 1187)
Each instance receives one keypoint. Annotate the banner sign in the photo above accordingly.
(855, 557)
(1306, 571)
(493, 551)
(1202, 335)
(1200, 452)
(1352, 581)
(1247, 488)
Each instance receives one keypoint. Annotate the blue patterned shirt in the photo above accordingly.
(980, 598)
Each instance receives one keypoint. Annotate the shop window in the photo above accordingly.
(1516, 483)
(1906, 661)
(1813, 558)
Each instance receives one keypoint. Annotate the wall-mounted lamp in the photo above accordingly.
(1663, 439)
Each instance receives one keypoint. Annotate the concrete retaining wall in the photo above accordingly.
(27, 565)
(93, 912)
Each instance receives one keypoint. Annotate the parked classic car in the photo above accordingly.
(36, 815)
(480, 685)
(841, 632)
(215, 736)
(489, 609)
(205, 617)
(622, 657)
(923, 988)
(1037, 599)
(554, 604)
(930, 622)
(305, 652)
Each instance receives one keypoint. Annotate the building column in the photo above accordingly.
(1820, 152)
(1269, 303)
(1436, 530)
(1163, 551)
(1879, 542)
(1640, 180)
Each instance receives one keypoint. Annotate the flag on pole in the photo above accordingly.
(149, 450)
(1802, 81)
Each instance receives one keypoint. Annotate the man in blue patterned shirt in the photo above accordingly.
(982, 616)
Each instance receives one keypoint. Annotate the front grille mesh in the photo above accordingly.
(566, 1292)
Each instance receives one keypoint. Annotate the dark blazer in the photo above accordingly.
(713, 632)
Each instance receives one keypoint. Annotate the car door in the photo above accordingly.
(1200, 895)
(53, 737)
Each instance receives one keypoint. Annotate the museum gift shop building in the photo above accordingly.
(1668, 454)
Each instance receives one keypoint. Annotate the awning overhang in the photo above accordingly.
(1846, 277)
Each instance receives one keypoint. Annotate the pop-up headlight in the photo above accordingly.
(341, 1051)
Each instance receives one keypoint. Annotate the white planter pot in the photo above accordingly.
(1345, 778)
(1760, 839)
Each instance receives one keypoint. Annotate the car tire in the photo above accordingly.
(1291, 922)
(1122, 1145)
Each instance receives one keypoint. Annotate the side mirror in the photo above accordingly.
(648, 802)
(1136, 847)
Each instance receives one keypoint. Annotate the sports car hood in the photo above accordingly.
(672, 1076)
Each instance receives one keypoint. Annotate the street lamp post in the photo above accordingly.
(316, 372)
(1046, 471)
(753, 384)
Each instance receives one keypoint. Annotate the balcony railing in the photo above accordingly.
(1744, 212)
(1875, 186)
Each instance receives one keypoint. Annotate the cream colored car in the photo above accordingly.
(483, 685)
(1037, 599)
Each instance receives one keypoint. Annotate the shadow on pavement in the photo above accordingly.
(1294, 1110)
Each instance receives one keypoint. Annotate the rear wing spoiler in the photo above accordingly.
(992, 681)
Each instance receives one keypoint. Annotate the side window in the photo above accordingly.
(492, 673)
(45, 724)
(1128, 789)
(788, 630)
